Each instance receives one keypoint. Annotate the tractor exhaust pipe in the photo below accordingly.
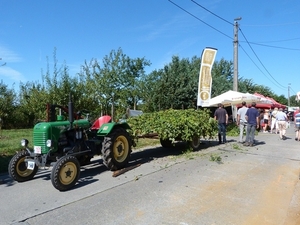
(71, 109)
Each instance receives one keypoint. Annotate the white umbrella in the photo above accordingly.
(263, 99)
(244, 97)
(232, 98)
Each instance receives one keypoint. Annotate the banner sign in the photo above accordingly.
(205, 79)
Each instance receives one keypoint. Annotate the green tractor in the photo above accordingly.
(68, 144)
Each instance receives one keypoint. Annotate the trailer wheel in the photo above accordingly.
(166, 143)
(195, 142)
(116, 149)
(65, 173)
(17, 167)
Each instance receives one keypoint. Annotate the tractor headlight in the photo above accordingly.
(49, 143)
(24, 142)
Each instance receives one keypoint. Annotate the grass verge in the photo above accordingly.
(10, 143)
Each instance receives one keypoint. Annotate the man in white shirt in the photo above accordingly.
(241, 120)
(281, 118)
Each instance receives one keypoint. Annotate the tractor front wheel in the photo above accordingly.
(65, 173)
(116, 149)
(17, 167)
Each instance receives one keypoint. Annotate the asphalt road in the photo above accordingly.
(250, 185)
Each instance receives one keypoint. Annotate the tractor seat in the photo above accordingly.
(100, 121)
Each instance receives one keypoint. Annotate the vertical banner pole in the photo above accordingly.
(205, 78)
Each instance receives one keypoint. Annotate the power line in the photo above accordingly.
(291, 39)
(293, 90)
(271, 46)
(258, 67)
(260, 60)
(245, 39)
(272, 25)
(229, 37)
(233, 24)
(212, 13)
(200, 19)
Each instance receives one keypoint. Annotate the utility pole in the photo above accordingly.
(235, 54)
(235, 63)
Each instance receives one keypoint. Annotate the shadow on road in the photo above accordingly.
(96, 167)
(150, 153)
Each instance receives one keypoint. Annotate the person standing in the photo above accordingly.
(274, 123)
(281, 119)
(222, 117)
(252, 117)
(297, 131)
(288, 115)
(266, 120)
(241, 120)
(261, 119)
(297, 125)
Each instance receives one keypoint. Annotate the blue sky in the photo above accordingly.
(157, 30)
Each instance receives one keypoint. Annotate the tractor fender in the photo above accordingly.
(106, 128)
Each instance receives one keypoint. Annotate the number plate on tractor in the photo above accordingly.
(30, 165)
(37, 149)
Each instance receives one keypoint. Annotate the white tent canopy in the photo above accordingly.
(232, 98)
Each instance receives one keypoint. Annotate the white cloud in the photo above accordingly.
(9, 56)
(9, 74)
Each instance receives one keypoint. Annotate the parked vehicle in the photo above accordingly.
(68, 144)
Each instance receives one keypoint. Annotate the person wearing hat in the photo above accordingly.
(274, 123)
(281, 117)
(241, 120)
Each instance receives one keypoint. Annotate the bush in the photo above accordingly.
(173, 124)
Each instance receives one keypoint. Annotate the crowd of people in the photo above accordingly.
(250, 119)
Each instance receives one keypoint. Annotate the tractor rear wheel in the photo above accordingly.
(116, 149)
(65, 173)
(17, 167)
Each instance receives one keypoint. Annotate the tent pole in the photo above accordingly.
(234, 112)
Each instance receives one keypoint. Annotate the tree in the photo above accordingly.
(135, 71)
(293, 101)
(7, 105)
(246, 85)
(174, 86)
(281, 99)
(222, 77)
(149, 87)
(264, 90)
(115, 82)
(33, 99)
